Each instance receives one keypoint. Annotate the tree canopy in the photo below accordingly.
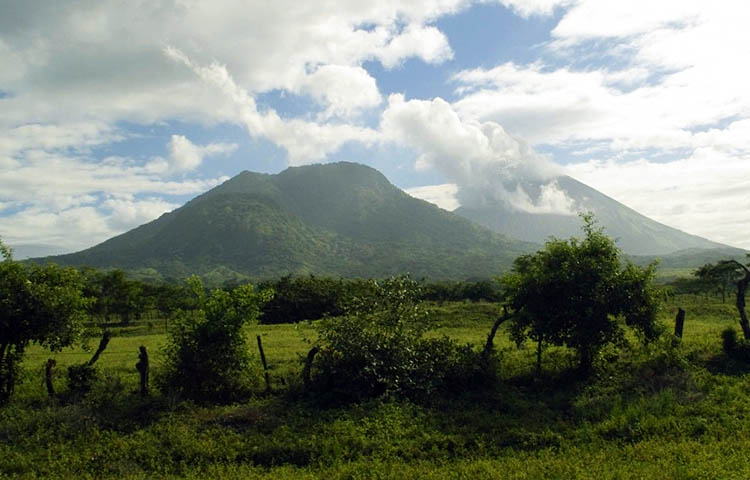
(577, 293)
(38, 304)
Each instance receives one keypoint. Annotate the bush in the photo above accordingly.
(81, 378)
(738, 349)
(207, 357)
(380, 349)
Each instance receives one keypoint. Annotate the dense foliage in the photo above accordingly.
(38, 304)
(303, 298)
(575, 292)
(380, 348)
(207, 356)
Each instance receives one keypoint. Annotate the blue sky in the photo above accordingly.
(113, 114)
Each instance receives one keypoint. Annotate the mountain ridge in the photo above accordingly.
(340, 219)
(635, 233)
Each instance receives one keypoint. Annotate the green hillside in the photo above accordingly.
(337, 219)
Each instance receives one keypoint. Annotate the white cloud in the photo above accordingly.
(98, 59)
(61, 198)
(343, 90)
(427, 43)
(304, 141)
(705, 193)
(124, 212)
(659, 80)
(185, 156)
(487, 164)
(443, 195)
(551, 200)
(679, 71)
(70, 229)
(527, 8)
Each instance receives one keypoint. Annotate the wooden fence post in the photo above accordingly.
(265, 365)
(679, 323)
(307, 369)
(143, 367)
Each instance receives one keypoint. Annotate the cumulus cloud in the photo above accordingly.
(527, 8)
(63, 200)
(443, 195)
(69, 229)
(305, 141)
(185, 156)
(98, 59)
(343, 90)
(669, 80)
(705, 193)
(427, 43)
(486, 163)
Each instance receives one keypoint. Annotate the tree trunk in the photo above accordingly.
(306, 371)
(741, 289)
(586, 359)
(490, 345)
(740, 300)
(102, 345)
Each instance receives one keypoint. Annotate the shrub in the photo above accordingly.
(380, 349)
(736, 348)
(81, 378)
(207, 356)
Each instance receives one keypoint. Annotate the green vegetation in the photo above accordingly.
(396, 380)
(663, 411)
(573, 292)
(207, 357)
(380, 349)
(41, 305)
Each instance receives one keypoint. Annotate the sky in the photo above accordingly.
(114, 112)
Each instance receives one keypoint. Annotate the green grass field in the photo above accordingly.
(658, 412)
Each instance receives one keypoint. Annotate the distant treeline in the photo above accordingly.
(310, 297)
(120, 299)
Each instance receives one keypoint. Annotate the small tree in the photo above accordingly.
(38, 304)
(207, 356)
(574, 292)
(717, 277)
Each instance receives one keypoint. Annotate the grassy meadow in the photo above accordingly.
(668, 410)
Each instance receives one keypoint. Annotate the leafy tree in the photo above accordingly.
(38, 304)
(574, 292)
(114, 294)
(207, 356)
(303, 298)
(717, 277)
